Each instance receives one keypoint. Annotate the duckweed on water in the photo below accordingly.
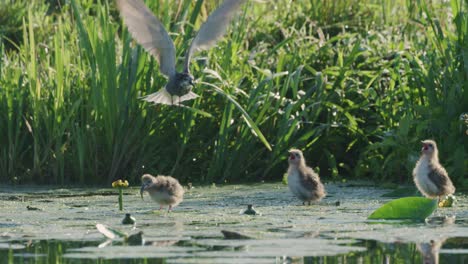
(63, 233)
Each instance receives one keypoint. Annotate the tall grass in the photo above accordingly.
(355, 85)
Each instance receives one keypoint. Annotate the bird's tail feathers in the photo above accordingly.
(159, 97)
(186, 97)
(164, 97)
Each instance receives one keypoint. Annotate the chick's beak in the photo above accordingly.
(291, 156)
(142, 189)
(425, 146)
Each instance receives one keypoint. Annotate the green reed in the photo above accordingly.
(353, 84)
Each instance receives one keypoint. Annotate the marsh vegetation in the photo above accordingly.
(355, 84)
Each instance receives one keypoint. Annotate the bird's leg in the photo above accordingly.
(170, 208)
(303, 203)
(309, 203)
(160, 207)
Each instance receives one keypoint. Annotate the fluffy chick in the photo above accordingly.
(165, 190)
(303, 182)
(429, 176)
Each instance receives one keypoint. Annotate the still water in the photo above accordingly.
(41, 225)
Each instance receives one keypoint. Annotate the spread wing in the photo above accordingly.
(149, 32)
(213, 28)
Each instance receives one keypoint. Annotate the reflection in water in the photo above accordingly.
(192, 234)
(53, 251)
(440, 220)
(430, 251)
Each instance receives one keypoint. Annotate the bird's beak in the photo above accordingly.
(425, 147)
(142, 189)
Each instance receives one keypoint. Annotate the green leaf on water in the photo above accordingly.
(415, 208)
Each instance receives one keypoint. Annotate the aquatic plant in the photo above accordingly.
(448, 201)
(119, 184)
(414, 208)
(351, 84)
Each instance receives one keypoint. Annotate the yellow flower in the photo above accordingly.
(448, 201)
(120, 184)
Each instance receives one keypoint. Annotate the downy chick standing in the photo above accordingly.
(303, 182)
(429, 176)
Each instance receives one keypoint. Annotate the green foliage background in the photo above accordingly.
(355, 84)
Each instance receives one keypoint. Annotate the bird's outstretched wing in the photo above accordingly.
(213, 28)
(149, 32)
(164, 97)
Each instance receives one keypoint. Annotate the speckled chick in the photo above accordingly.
(429, 176)
(165, 190)
(303, 182)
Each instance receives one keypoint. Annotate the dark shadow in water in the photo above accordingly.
(52, 251)
(378, 252)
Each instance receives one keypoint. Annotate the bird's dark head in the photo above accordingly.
(296, 157)
(429, 147)
(184, 82)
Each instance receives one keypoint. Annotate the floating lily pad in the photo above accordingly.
(414, 208)
(192, 232)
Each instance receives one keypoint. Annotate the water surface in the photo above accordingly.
(42, 225)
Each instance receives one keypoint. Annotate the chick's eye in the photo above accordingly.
(297, 155)
(430, 145)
